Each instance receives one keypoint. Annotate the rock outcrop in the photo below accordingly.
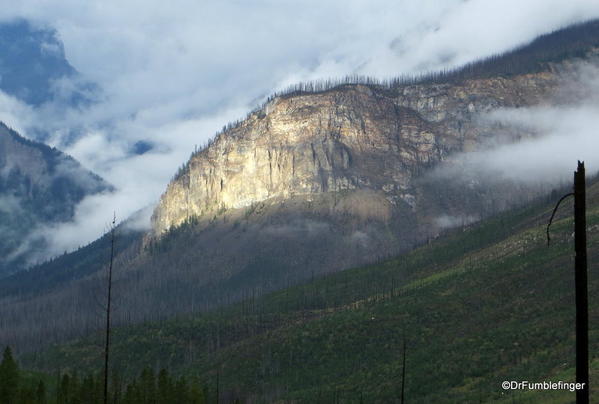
(348, 139)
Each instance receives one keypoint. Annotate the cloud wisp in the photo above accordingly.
(559, 135)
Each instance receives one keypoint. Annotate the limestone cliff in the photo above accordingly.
(351, 138)
(320, 181)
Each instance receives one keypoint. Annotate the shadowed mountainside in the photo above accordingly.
(39, 186)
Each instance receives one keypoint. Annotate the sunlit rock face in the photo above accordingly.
(348, 139)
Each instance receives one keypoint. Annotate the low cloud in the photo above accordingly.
(92, 218)
(448, 221)
(139, 220)
(10, 204)
(15, 113)
(559, 135)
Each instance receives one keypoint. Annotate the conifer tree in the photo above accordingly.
(132, 394)
(26, 395)
(89, 390)
(181, 391)
(9, 378)
(40, 393)
(117, 386)
(75, 392)
(164, 388)
(63, 394)
(148, 385)
(197, 395)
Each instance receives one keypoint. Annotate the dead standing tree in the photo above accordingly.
(109, 287)
(403, 371)
(580, 281)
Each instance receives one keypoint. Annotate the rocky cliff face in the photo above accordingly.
(341, 141)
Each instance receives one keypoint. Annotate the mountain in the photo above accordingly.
(352, 151)
(320, 179)
(477, 306)
(33, 66)
(39, 186)
(336, 175)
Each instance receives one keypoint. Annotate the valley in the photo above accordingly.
(334, 245)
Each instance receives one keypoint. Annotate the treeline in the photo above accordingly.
(18, 387)
(574, 41)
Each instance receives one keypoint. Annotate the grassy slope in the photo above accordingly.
(477, 307)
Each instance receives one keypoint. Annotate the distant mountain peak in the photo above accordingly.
(34, 68)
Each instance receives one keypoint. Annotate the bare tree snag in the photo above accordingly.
(580, 279)
(107, 346)
(580, 282)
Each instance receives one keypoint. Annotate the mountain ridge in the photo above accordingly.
(34, 69)
(39, 185)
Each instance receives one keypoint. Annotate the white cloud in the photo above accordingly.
(560, 135)
(448, 221)
(172, 73)
(10, 204)
(15, 113)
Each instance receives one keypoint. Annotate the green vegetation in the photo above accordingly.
(480, 306)
(18, 387)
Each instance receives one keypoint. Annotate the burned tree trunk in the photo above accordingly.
(107, 345)
(403, 372)
(580, 279)
(580, 282)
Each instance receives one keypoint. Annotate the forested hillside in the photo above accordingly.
(487, 303)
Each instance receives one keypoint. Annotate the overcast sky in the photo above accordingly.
(174, 72)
